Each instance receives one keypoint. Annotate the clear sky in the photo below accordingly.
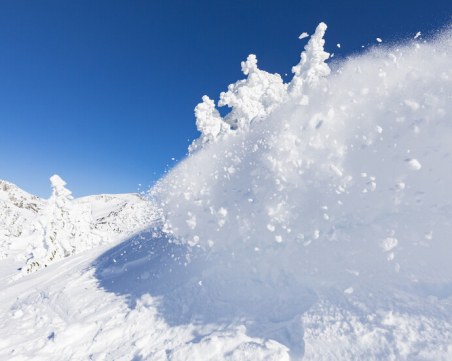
(102, 91)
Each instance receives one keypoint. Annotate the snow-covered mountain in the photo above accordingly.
(18, 210)
(312, 222)
(41, 231)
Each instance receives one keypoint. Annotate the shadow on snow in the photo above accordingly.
(195, 286)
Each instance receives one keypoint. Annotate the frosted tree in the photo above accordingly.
(61, 228)
(260, 93)
(254, 97)
(208, 122)
(312, 66)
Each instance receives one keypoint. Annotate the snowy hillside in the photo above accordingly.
(18, 209)
(312, 222)
(40, 231)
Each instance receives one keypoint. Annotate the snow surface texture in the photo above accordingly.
(310, 223)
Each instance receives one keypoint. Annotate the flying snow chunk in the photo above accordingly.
(412, 105)
(413, 164)
(418, 34)
(303, 35)
(379, 40)
(338, 45)
(389, 243)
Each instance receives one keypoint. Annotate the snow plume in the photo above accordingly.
(346, 182)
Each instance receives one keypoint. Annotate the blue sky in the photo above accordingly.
(102, 92)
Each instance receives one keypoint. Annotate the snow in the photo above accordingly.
(312, 222)
(413, 164)
(312, 66)
(41, 232)
(58, 187)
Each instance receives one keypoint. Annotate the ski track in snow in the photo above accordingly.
(311, 223)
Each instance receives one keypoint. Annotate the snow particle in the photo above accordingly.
(400, 186)
(271, 227)
(389, 243)
(191, 221)
(223, 212)
(412, 104)
(413, 164)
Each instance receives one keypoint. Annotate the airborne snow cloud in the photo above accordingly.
(340, 178)
(327, 165)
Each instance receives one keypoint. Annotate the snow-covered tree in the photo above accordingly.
(254, 97)
(312, 66)
(208, 122)
(60, 229)
(260, 93)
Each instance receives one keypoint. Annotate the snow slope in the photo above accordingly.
(17, 211)
(310, 223)
(32, 228)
